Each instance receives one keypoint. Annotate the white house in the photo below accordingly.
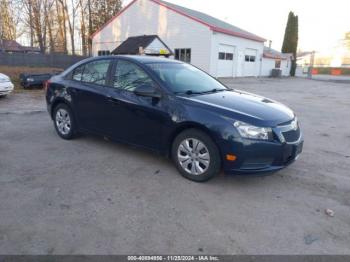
(217, 47)
(273, 59)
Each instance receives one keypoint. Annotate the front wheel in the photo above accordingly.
(196, 156)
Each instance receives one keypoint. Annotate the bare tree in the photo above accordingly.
(56, 25)
(7, 23)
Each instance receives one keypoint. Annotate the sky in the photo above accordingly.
(322, 23)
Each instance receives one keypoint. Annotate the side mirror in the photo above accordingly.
(147, 91)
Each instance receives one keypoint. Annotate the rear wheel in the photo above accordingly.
(64, 122)
(195, 155)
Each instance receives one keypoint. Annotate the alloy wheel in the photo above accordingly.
(63, 121)
(193, 156)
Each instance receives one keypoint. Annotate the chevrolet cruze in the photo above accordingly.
(177, 110)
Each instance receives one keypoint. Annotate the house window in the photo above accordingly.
(103, 52)
(183, 54)
(222, 56)
(229, 56)
(277, 63)
(225, 56)
(250, 58)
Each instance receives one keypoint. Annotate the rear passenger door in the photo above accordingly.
(89, 89)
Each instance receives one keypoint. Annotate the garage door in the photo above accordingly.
(225, 62)
(250, 62)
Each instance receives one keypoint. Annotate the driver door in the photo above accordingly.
(135, 119)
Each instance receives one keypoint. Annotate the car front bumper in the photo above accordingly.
(259, 157)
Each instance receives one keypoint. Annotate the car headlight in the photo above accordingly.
(253, 132)
(4, 79)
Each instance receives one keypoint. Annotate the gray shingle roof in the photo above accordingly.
(271, 53)
(214, 23)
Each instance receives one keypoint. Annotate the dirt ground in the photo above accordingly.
(90, 196)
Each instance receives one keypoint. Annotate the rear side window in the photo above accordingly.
(77, 73)
(93, 72)
(129, 76)
(96, 72)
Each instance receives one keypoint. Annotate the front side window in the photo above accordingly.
(96, 72)
(129, 76)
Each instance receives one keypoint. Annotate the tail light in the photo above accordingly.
(46, 85)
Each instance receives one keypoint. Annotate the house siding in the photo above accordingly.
(269, 63)
(148, 18)
(240, 45)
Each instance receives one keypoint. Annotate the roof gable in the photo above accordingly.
(131, 45)
(274, 54)
(14, 46)
(213, 23)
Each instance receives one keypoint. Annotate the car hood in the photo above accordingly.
(247, 107)
(4, 77)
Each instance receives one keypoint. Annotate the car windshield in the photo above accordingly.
(186, 79)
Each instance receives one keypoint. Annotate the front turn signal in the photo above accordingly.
(231, 157)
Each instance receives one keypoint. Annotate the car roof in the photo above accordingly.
(138, 58)
(149, 59)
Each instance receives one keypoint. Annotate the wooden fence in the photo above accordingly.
(39, 60)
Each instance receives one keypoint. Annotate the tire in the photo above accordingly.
(64, 122)
(196, 156)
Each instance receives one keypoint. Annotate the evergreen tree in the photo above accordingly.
(290, 42)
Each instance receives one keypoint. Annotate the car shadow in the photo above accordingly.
(163, 161)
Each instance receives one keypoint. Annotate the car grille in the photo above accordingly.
(291, 135)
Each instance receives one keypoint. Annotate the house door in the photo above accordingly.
(225, 61)
(250, 62)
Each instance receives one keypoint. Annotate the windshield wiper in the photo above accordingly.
(215, 90)
(188, 92)
(191, 92)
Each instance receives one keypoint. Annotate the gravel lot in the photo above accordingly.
(90, 196)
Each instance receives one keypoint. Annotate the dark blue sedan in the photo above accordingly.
(177, 110)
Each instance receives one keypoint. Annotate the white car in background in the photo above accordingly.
(6, 85)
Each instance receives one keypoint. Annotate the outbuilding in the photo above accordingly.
(219, 48)
(272, 59)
